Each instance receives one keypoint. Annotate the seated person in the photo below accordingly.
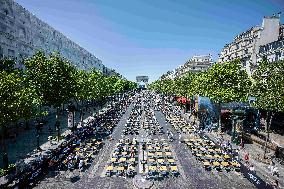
(70, 165)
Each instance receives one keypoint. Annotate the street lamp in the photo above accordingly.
(37, 126)
(234, 119)
(57, 126)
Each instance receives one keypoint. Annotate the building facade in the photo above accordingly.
(168, 75)
(195, 64)
(248, 45)
(273, 51)
(22, 34)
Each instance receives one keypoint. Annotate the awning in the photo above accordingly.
(235, 105)
(225, 111)
(183, 100)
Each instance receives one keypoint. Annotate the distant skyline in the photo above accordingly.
(146, 37)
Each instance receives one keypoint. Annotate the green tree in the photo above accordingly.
(223, 83)
(53, 79)
(268, 88)
(17, 98)
(10, 92)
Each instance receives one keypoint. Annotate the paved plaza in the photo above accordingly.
(191, 171)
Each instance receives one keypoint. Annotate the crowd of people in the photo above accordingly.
(133, 124)
(124, 159)
(76, 150)
(160, 160)
(212, 156)
(150, 124)
(156, 160)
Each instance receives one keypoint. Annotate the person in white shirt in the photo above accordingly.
(81, 164)
(275, 171)
(179, 137)
(251, 168)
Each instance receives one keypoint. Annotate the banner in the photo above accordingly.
(253, 178)
(70, 119)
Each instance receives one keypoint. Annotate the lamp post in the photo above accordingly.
(57, 127)
(220, 116)
(37, 126)
(234, 119)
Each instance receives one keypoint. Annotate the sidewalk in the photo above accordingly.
(255, 152)
(26, 143)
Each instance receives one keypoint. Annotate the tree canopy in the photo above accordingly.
(268, 86)
(225, 82)
(50, 80)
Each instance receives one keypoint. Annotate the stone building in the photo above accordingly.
(195, 64)
(168, 75)
(273, 51)
(247, 45)
(22, 34)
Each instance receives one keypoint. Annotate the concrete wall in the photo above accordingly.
(22, 34)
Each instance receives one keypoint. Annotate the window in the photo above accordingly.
(3, 28)
(1, 52)
(11, 53)
(277, 56)
(22, 33)
(6, 11)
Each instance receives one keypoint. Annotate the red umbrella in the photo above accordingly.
(183, 100)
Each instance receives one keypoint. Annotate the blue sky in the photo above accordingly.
(150, 37)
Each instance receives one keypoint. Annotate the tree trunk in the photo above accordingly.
(81, 115)
(57, 123)
(190, 108)
(268, 125)
(219, 118)
(5, 153)
(26, 124)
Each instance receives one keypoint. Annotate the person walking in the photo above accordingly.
(179, 137)
(275, 171)
(251, 168)
(81, 165)
(271, 167)
(246, 157)
(275, 184)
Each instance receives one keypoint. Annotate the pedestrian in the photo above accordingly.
(242, 144)
(246, 157)
(251, 168)
(275, 171)
(81, 164)
(275, 184)
(179, 137)
(271, 166)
